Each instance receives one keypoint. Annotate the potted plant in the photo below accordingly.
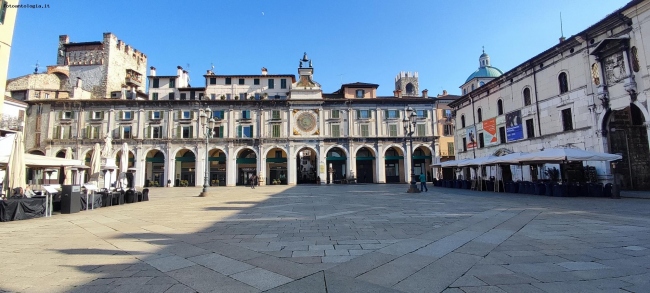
(184, 183)
(552, 173)
(251, 98)
(236, 97)
(265, 95)
(276, 181)
(214, 183)
(223, 97)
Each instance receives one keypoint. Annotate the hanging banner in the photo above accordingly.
(471, 137)
(514, 129)
(490, 131)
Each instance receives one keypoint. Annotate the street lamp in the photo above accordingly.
(410, 122)
(208, 124)
(627, 150)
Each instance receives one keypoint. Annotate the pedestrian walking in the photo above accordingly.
(423, 183)
(253, 181)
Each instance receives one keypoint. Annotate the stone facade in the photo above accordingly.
(8, 17)
(570, 95)
(407, 83)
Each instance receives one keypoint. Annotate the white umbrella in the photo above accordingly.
(567, 154)
(68, 171)
(124, 164)
(16, 164)
(96, 163)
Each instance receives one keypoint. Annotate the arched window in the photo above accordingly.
(472, 86)
(410, 89)
(464, 91)
(462, 121)
(479, 115)
(563, 82)
(481, 83)
(527, 100)
(499, 107)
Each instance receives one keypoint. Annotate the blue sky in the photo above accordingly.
(348, 41)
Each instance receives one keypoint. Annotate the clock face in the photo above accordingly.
(306, 122)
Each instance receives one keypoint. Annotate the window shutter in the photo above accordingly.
(193, 115)
(88, 131)
(239, 134)
(397, 112)
(192, 130)
(179, 114)
(147, 132)
(179, 131)
(426, 113)
(102, 115)
(60, 115)
(358, 114)
(55, 134)
(252, 131)
(220, 131)
(385, 113)
(120, 135)
(370, 114)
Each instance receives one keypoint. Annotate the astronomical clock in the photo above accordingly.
(306, 122)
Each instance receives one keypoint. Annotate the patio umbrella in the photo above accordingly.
(16, 164)
(68, 171)
(567, 154)
(96, 163)
(124, 164)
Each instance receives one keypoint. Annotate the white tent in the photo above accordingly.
(475, 162)
(453, 163)
(44, 161)
(566, 154)
(507, 159)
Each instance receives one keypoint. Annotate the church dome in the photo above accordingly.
(485, 71)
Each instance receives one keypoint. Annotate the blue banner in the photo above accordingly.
(514, 129)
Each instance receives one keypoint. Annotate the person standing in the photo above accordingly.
(253, 181)
(423, 183)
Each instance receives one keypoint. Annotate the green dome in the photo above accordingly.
(485, 71)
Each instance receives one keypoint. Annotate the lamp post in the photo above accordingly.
(627, 150)
(208, 124)
(410, 122)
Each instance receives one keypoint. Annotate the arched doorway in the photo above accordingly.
(130, 161)
(154, 169)
(217, 168)
(422, 161)
(628, 135)
(37, 152)
(394, 165)
(306, 161)
(59, 176)
(365, 165)
(336, 165)
(185, 168)
(246, 166)
(276, 166)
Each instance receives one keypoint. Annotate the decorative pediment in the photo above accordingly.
(610, 46)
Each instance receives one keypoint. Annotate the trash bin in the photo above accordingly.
(70, 199)
(540, 188)
(548, 189)
(145, 194)
(129, 196)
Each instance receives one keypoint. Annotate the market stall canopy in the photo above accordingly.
(566, 154)
(475, 162)
(44, 161)
(453, 163)
(512, 159)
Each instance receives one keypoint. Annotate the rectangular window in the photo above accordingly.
(127, 115)
(171, 96)
(66, 115)
(156, 83)
(246, 114)
(450, 148)
(213, 97)
(422, 113)
(256, 81)
(186, 132)
(422, 130)
(228, 80)
(242, 96)
(446, 113)
(480, 140)
(200, 96)
(392, 130)
(218, 132)
(245, 131)
(156, 132)
(97, 115)
(271, 83)
(464, 144)
(257, 96)
(276, 130)
(359, 93)
(218, 114)
(156, 115)
(228, 96)
(392, 114)
(96, 132)
(283, 83)
(364, 130)
(172, 83)
(183, 96)
(66, 132)
(336, 130)
(213, 80)
(241, 81)
(192, 95)
(186, 115)
(155, 96)
(363, 114)
(126, 131)
(336, 114)
(530, 128)
(567, 120)
(502, 135)
(47, 95)
(448, 130)
(275, 114)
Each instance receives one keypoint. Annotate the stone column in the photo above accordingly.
(381, 164)
(292, 170)
(170, 166)
(231, 166)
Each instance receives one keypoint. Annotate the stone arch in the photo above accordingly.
(345, 150)
(300, 148)
(177, 150)
(307, 165)
(239, 149)
(268, 149)
(374, 151)
(155, 168)
(37, 152)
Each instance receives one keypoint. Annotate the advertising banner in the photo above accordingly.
(514, 129)
(471, 137)
(490, 132)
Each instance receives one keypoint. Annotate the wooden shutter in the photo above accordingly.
(193, 115)
(397, 111)
(221, 131)
(239, 131)
(147, 132)
(252, 131)
(179, 131)
(386, 114)
(88, 131)
(192, 130)
(56, 133)
(101, 115)
(426, 113)
(358, 114)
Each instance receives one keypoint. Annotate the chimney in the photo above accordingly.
(79, 82)
(264, 71)
(444, 92)
(562, 39)
(179, 71)
(398, 93)
(152, 71)
(186, 79)
(425, 93)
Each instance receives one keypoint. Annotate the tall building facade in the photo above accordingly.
(589, 91)
(281, 127)
(7, 23)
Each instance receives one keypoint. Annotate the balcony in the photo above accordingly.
(133, 78)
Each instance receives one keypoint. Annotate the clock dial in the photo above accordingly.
(306, 122)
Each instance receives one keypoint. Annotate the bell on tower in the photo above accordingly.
(305, 59)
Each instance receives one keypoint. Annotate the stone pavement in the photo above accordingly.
(343, 238)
